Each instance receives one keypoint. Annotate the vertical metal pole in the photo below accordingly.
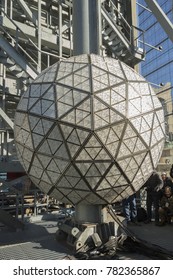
(86, 26)
(134, 35)
(81, 27)
(47, 202)
(35, 203)
(11, 9)
(88, 213)
(5, 145)
(94, 26)
(99, 28)
(71, 30)
(22, 206)
(17, 206)
(5, 6)
(60, 29)
(39, 36)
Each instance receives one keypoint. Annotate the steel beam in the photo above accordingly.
(27, 11)
(161, 17)
(5, 45)
(6, 118)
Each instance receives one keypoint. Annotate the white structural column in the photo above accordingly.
(161, 17)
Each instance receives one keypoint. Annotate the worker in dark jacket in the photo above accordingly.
(153, 187)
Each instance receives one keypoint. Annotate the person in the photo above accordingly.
(130, 209)
(171, 171)
(153, 187)
(167, 181)
(166, 207)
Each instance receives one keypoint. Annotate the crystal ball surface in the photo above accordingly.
(89, 129)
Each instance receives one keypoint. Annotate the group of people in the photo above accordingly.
(159, 195)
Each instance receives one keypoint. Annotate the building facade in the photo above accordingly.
(158, 67)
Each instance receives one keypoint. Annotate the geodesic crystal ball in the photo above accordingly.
(89, 130)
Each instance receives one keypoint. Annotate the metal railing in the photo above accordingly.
(31, 55)
(17, 203)
(132, 35)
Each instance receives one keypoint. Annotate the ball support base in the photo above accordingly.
(98, 229)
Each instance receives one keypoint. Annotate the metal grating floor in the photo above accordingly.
(37, 242)
(42, 249)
